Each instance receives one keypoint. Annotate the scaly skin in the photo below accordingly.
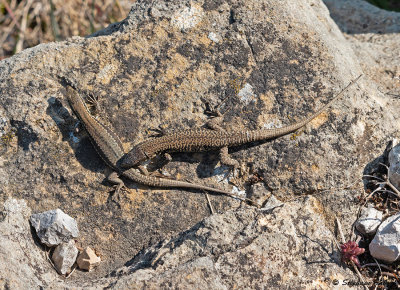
(205, 139)
(110, 148)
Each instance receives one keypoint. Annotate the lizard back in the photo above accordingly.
(206, 139)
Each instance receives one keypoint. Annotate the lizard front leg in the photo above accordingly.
(119, 184)
(214, 124)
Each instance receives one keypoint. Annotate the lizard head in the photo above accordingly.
(132, 158)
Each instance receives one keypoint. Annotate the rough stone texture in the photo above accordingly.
(394, 168)
(161, 66)
(64, 256)
(54, 227)
(374, 36)
(369, 220)
(23, 263)
(386, 243)
(243, 249)
(88, 259)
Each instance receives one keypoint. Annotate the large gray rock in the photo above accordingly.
(394, 166)
(54, 227)
(386, 243)
(374, 36)
(268, 65)
(361, 17)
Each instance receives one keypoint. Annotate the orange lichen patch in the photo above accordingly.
(204, 74)
(127, 146)
(136, 199)
(291, 92)
(104, 236)
(205, 40)
(100, 199)
(315, 167)
(267, 99)
(177, 65)
(317, 206)
(270, 121)
(172, 106)
(197, 81)
(319, 120)
(160, 32)
(107, 72)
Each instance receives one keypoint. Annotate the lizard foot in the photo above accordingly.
(93, 101)
(158, 132)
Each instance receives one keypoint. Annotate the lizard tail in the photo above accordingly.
(277, 132)
(162, 182)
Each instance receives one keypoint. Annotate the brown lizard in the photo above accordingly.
(110, 148)
(206, 139)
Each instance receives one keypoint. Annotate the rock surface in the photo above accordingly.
(267, 65)
(245, 248)
(386, 243)
(54, 227)
(23, 263)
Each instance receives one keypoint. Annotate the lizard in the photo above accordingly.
(195, 140)
(109, 146)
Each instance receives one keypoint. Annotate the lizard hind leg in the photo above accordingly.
(214, 124)
(225, 159)
(229, 161)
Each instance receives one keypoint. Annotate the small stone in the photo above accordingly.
(246, 94)
(259, 193)
(155, 13)
(394, 168)
(64, 256)
(386, 243)
(54, 227)
(272, 203)
(214, 37)
(88, 259)
(369, 220)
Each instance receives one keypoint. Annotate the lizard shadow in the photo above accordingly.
(80, 143)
